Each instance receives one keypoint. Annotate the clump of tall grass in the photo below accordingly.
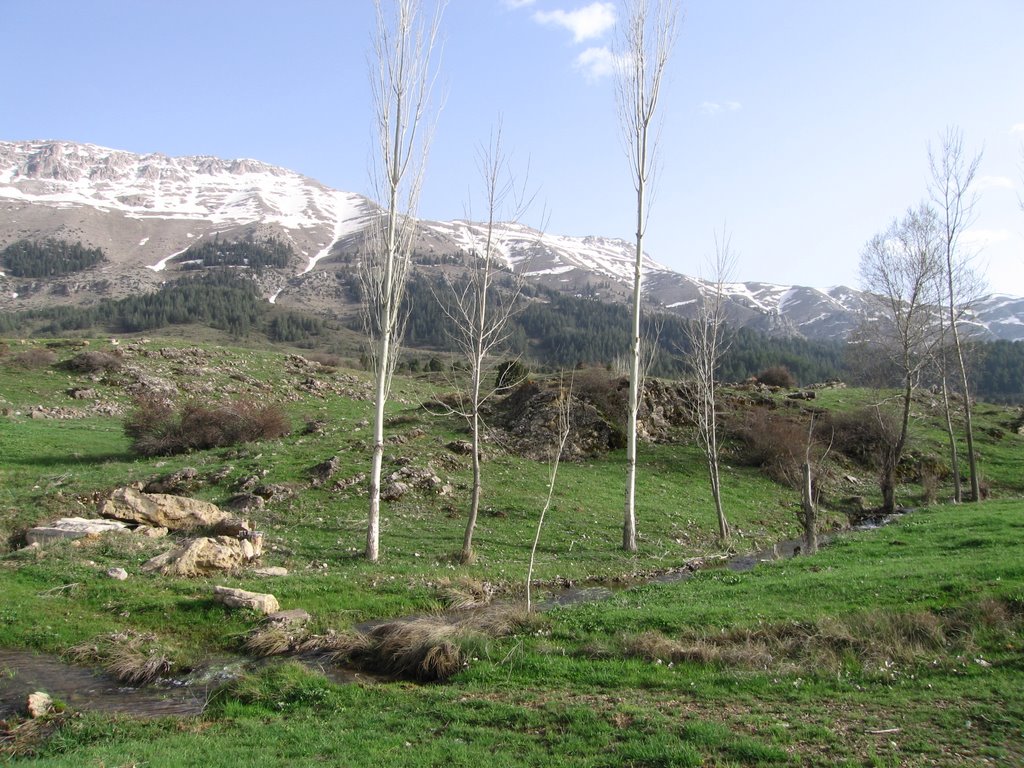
(429, 648)
(131, 657)
(876, 640)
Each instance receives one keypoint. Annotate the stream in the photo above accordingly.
(24, 672)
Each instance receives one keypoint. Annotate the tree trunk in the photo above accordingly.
(954, 456)
(810, 513)
(467, 556)
(629, 517)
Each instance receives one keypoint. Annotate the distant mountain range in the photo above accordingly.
(146, 211)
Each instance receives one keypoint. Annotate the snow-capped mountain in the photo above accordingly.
(145, 211)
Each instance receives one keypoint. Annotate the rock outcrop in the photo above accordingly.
(73, 528)
(239, 598)
(161, 510)
(205, 556)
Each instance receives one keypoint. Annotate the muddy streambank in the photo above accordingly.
(24, 672)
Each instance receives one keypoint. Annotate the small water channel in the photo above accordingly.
(24, 672)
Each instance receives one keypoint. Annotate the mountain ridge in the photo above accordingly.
(145, 211)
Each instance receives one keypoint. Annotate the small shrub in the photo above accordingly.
(509, 374)
(32, 359)
(605, 390)
(864, 435)
(774, 442)
(94, 362)
(324, 359)
(776, 376)
(156, 429)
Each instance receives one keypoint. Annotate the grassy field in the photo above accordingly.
(897, 646)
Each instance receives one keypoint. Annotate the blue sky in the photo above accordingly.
(802, 126)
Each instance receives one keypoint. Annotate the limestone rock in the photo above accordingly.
(177, 482)
(117, 573)
(239, 598)
(205, 555)
(393, 491)
(39, 704)
(161, 510)
(270, 570)
(73, 528)
(324, 471)
(245, 502)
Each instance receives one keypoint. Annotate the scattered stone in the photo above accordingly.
(204, 556)
(315, 427)
(234, 527)
(294, 617)
(81, 393)
(244, 502)
(349, 482)
(117, 573)
(179, 482)
(220, 475)
(239, 598)
(460, 447)
(39, 704)
(393, 491)
(273, 491)
(151, 532)
(324, 471)
(73, 528)
(270, 570)
(161, 510)
(807, 394)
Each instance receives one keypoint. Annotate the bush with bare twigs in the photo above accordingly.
(157, 429)
(776, 376)
(94, 361)
(32, 359)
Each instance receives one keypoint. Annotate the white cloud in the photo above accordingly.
(596, 63)
(1018, 128)
(585, 23)
(717, 107)
(994, 182)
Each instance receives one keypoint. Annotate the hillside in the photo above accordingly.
(877, 650)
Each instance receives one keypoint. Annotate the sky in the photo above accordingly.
(799, 127)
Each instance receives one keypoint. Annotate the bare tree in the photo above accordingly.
(810, 469)
(402, 75)
(564, 423)
(898, 269)
(647, 36)
(706, 338)
(952, 173)
(480, 310)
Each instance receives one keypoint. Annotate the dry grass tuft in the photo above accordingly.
(132, 658)
(270, 640)
(465, 593)
(880, 640)
(428, 648)
(27, 738)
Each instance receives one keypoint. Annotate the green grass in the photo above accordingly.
(811, 661)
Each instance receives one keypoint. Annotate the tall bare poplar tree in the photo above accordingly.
(898, 269)
(952, 173)
(706, 338)
(646, 38)
(479, 311)
(402, 76)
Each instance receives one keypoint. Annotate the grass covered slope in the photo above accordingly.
(924, 668)
(898, 646)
